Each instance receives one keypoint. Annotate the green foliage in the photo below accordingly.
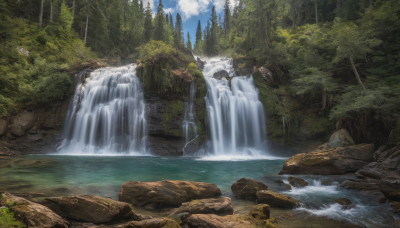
(66, 18)
(53, 88)
(7, 219)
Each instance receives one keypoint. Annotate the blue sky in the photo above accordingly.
(191, 11)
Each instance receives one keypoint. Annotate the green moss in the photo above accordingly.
(7, 219)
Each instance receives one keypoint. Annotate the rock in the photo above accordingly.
(359, 185)
(267, 75)
(90, 208)
(161, 194)
(218, 206)
(221, 74)
(244, 65)
(229, 221)
(390, 187)
(32, 214)
(246, 188)
(152, 223)
(276, 199)
(200, 64)
(183, 74)
(283, 185)
(297, 182)
(344, 201)
(3, 126)
(23, 51)
(326, 182)
(261, 211)
(21, 123)
(339, 160)
(340, 138)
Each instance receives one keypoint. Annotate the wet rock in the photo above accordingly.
(90, 208)
(261, 211)
(218, 206)
(326, 182)
(21, 123)
(390, 187)
(283, 185)
(297, 182)
(221, 74)
(246, 188)
(32, 214)
(200, 64)
(3, 126)
(339, 160)
(152, 223)
(346, 203)
(276, 199)
(162, 194)
(340, 138)
(359, 185)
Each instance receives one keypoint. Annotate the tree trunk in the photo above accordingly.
(73, 8)
(86, 28)
(41, 14)
(356, 72)
(51, 11)
(316, 12)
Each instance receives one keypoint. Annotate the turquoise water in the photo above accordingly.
(104, 175)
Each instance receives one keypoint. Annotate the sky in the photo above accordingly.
(191, 11)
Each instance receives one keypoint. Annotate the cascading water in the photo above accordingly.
(107, 114)
(189, 126)
(236, 115)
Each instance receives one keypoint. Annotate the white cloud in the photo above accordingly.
(169, 10)
(190, 8)
(145, 2)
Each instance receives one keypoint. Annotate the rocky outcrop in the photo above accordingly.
(152, 223)
(218, 206)
(200, 64)
(32, 214)
(3, 126)
(339, 160)
(21, 123)
(246, 188)
(297, 182)
(340, 138)
(90, 208)
(221, 74)
(277, 200)
(162, 194)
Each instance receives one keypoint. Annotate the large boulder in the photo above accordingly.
(152, 223)
(219, 206)
(22, 122)
(162, 194)
(297, 182)
(221, 74)
(277, 200)
(340, 138)
(90, 208)
(339, 160)
(32, 214)
(390, 187)
(246, 188)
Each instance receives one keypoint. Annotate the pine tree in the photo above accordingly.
(227, 18)
(212, 47)
(159, 33)
(178, 38)
(148, 25)
(188, 43)
(171, 21)
(197, 46)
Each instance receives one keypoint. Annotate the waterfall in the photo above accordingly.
(107, 114)
(236, 115)
(189, 126)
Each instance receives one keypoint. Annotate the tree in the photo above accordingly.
(41, 13)
(352, 45)
(87, 22)
(212, 46)
(178, 38)
(159, 33)
(227, 18)
(188, 43)
(66, 18)
(197, 46)
(148, 25)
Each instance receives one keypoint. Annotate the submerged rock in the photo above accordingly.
(297, 182)
(219, 206)
(162, 194)
(90, 208)
(32, 214)
(246, 188)
(277, 199)
(331, 161)
(221, 74)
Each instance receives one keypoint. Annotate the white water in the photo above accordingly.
(189, 126)
(107, 115)
(236, 115)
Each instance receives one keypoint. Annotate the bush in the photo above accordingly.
(53, 88)
(7, 219)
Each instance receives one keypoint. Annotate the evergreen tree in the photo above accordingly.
(197, 46)
(171, 21)
(178, 38)
(227, 18)
(159, 33)
(212, 46)
(188, 43)
(148, 25)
